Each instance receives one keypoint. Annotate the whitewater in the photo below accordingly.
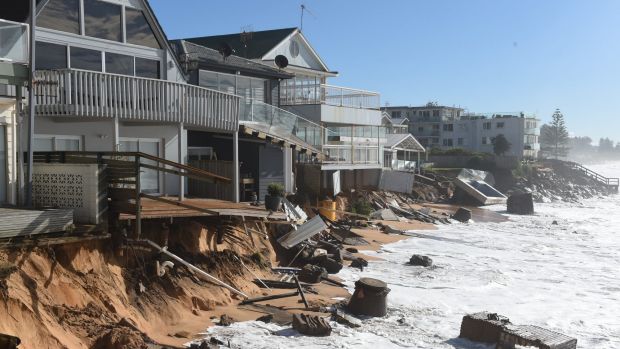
(564, 277)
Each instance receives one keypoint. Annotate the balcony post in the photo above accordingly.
(235, 164)
(115, 136)
(31, 101)
(180, 152)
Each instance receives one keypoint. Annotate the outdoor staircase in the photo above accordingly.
(612, 183)
(122, 179)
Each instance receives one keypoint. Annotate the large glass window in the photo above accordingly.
(118, 64)
(149, 179)
(50, 56)
(86, 59)
(63, 15)
(102, 20)
(3, 164)
(147, 68)
(139, 31)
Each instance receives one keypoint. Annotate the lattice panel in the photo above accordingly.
(58, 190)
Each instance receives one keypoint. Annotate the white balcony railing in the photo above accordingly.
(13, 42)
(79, 93)
(328, 94)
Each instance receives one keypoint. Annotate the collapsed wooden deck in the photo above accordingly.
(153, 209)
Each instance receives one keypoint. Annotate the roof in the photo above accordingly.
(260, 44)
(403, 142)
(210, 59)
(399, 121)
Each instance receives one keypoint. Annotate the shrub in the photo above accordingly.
(275, 189)
(362, 207)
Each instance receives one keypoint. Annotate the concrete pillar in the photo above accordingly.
(287, 164)
(235, 178)
(181, 161)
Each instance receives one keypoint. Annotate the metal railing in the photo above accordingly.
(403, 165)
(330, 95)
(614, 182)
(350, 154)
(13, 42)
(71, 92)
(273, 120)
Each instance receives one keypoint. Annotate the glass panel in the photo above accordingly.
(3, 164)
(147, 68)
(139, 31)
(67, 144)
(227, 83)
(118, 64)
(258, 89)
(149, 179)
(13, 42)
(102, 20)
(208, 79)
(43, 144)
(86, 59)
(127, 146)
(243, 87)
(50, 56)
(63, 15)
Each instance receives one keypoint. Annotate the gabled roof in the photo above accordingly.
(403, 142)
(258, 46)
(399, 121)
(210, 59)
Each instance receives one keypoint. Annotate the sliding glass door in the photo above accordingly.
(149, 179)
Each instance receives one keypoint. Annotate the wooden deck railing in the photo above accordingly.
(71, 92)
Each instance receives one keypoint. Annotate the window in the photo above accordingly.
(436, 140)
(448, 127)
(149, 178)
(459, 141)
(57, 143)
(499, 125)
(63, 15)
(436, 113)
(50, 56)
(486, 126)
(82, 58)
(102, 20)
(147, 68)
(119, 64)
(139, 31)
(435, 127)
(396, 114)
(485, 140)
(420, 129)
(447, 142)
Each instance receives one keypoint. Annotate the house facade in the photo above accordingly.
(107, 80)
(352, 137)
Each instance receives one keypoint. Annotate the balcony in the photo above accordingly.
(86, 94)
(13, 42)
(280, 123)
(330, 95)
(350, 147)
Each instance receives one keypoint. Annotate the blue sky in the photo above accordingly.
(484, 55)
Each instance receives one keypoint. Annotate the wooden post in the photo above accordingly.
(181, 177)
(138, 203)
(235, 164)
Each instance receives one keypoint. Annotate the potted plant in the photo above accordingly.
(273, 199)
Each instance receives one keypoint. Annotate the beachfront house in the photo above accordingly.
(352, 139)
(402, 151)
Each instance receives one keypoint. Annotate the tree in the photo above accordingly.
(554, 136)
(605, 145)
(500, 144)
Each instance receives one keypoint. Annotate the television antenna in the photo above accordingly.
(245, 37)
(304, 8)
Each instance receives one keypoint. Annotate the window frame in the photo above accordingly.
(54, 138)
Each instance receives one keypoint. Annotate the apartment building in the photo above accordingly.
(444, 127)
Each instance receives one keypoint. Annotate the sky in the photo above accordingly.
(482, 55)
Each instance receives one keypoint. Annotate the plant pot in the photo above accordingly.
(272, 203)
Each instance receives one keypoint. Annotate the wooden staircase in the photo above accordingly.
(122, 177)
(612, 183)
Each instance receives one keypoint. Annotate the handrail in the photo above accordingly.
(611, 181)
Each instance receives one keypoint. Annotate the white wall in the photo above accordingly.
(98, 136)
(8, 119)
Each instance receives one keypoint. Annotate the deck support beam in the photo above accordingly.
(235, 164)
(182, 162)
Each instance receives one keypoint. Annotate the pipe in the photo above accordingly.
(194, 268)
(31, 101)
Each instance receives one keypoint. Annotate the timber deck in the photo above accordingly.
(152, 209)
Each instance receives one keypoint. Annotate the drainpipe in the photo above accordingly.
(33, 22)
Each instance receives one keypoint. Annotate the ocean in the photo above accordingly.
(564, 277)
